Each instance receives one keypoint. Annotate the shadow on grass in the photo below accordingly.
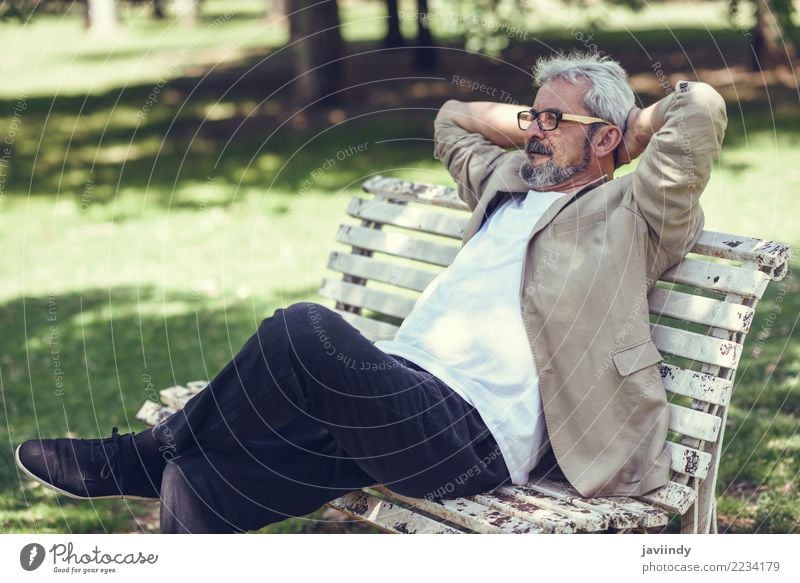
(77, 364)
(220, 124)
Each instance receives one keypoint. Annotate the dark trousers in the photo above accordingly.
(307, 411)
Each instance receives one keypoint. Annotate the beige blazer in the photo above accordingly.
(591, 260)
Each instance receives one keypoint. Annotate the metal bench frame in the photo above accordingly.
(715, 288)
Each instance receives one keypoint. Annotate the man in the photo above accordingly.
(535, 342)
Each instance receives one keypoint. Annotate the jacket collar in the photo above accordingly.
(498, 196)
(577, 191)
(573, 194)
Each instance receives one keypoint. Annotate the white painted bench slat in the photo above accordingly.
(176, 397)
(397, 244)
(696, 346)
(370, 268)
(364, 297)
(373, 329)
(674, 497)
(433, 194)
(718, 277)
(531, 507)
(469, 514)
(152, 413)
(700, 310)
(688, 460)
(693, 423)
(622, 512)
(551, 522)
(388, 516)
(697, 385)
(759, 251)
(415, 218)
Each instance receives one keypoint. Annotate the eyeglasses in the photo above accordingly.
(549, 119)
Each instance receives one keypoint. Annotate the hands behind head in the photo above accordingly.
(632, 143)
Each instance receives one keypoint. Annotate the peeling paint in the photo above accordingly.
(691, 463)
(360, 507)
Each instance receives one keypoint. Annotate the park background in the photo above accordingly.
(171, 172)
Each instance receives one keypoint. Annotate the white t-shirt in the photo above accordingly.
(466, 329)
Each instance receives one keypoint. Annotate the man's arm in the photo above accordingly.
(680, 136)
(470, 138)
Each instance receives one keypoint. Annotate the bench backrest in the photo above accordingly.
(701, 311)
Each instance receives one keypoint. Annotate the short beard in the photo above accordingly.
(548, 174)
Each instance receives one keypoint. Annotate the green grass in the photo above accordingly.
(148, 248)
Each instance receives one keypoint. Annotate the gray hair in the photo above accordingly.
(610, 95)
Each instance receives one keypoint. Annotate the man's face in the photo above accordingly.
(558, 156)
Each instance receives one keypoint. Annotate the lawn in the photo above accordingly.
(144, 240)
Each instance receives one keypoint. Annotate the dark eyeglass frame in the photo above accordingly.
(529, 115)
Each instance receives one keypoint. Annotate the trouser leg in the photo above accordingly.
(268, 479)
(384, 421)
(256, 375)
(185, 509)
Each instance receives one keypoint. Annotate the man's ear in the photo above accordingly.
(606, 139)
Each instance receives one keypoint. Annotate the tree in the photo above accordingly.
(188, 11)
(101, 16)
(275, 11)
(425, 57)
(774, 36)
(318, 50)
(158, 10)
(487, 26)
(394, 38)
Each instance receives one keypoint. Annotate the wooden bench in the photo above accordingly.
(701, 311)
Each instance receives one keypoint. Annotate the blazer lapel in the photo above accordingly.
(492, 199)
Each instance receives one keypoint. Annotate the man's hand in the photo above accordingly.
(497, 122)
(630, 147)
(640, 126)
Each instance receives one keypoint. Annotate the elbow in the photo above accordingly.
(448, 111)
(705, 93)
(709, 98)
(443, 126)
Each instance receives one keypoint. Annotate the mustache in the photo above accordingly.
(536, 147)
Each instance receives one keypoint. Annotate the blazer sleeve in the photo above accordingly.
(676, 166)
(470, 158)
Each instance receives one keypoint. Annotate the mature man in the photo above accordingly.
(535, 342)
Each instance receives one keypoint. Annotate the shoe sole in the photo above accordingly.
(35, 478)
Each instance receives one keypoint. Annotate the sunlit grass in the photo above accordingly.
(154, 245)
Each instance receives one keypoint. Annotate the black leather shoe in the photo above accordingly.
(89, 468)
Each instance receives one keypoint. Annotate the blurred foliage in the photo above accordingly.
(484, 26)
(784, 11)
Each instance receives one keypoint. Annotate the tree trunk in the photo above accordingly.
(188, 11)
(317, 53)
(101, 16)
(425, 57)
(275, 11)
(158, 10)
(295, 25)
(770, 43)
(394, 38)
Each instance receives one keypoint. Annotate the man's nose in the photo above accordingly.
(533, 132)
